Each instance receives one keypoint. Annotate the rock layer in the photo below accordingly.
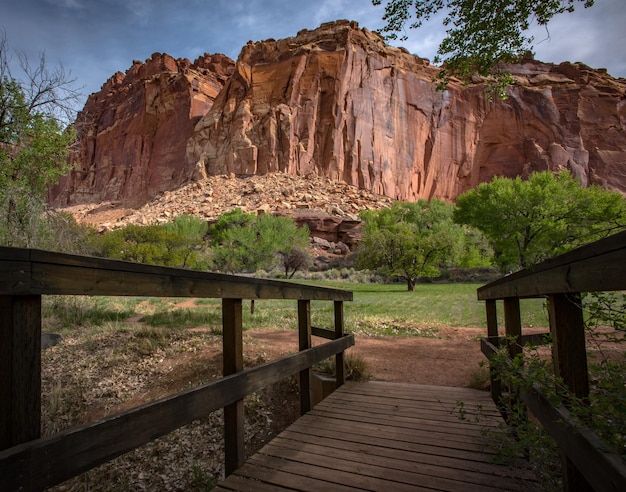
(338, 102)
(133, 133)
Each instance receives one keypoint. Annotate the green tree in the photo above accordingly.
(34, 144)
(410, 240)
(528, 221)
(245, 242)
(479, 33)
(179, 244)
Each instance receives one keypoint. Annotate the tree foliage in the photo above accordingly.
(528, 221)
(479, 33)
(245, 243)
(410, 240)
(34, 144)
(179, 244)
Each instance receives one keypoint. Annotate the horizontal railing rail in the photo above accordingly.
(29, 462)
(585, 449)
(597, 267)
(36, 272)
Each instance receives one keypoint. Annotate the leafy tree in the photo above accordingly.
(530, 220)
(480, 33)
(410, 240)
(34, 144)
(245, 242)
(180, 244)
(232, 219)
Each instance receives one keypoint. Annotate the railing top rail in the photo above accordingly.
(26, 271)
(599, 266)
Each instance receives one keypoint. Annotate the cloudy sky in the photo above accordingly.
(96, 38)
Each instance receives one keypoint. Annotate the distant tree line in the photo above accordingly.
(507, 223)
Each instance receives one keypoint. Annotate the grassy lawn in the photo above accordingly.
(377, 310)
(389, 309)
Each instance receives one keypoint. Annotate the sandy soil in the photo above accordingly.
(447, 361)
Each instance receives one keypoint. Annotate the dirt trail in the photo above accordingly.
(447, 361)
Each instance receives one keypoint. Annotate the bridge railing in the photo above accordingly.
(597, 267)
(30, 462)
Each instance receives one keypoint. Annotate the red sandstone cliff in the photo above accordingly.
(338, 102)
(133, 133)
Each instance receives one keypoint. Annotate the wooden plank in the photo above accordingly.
(340, 363)
(20, 369)
(232, 343)
(321, 451)
(287, 480)
(472, 444)
(59, 273)
(304, 342)
(432, 395)
(382, 467)
(369, 415)
(568, 339)
(598, 266)
(603, 470)
(337, 477)
(15, 278)
(51, 460)
(570, 363)
(244, 484)
(427, 448)
(409, 458)
(442, 412)
(322, 333)
(513, 324)
(492, 318)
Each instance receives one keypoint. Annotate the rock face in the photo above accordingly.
(337, 102)
(133, 133)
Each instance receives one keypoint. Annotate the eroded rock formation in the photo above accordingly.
(133, 133)
(338, 102)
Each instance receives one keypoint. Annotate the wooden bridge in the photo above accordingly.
(369, 436)
(387, 437)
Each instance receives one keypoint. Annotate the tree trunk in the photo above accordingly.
(410, 283)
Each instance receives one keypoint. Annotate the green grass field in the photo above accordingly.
(377, 310)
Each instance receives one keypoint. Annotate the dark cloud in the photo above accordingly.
(96, 38)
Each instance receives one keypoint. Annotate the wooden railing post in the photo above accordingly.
(20, 369)
(513, 324)
(304, 339)
(570, 364)
(513, 332)
(234, 439)
(492, 331)
(340, 368)
(492, 317)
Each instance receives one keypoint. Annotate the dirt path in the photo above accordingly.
(447, 361)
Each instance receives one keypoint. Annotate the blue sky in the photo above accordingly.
(93, 39)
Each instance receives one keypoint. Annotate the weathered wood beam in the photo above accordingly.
(44, 462)
(596, 267)
(232, 343)
(20, 369)
(304, 343)
(340, 363)
(27, 271)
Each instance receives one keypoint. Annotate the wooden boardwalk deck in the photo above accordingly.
(380, 436)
